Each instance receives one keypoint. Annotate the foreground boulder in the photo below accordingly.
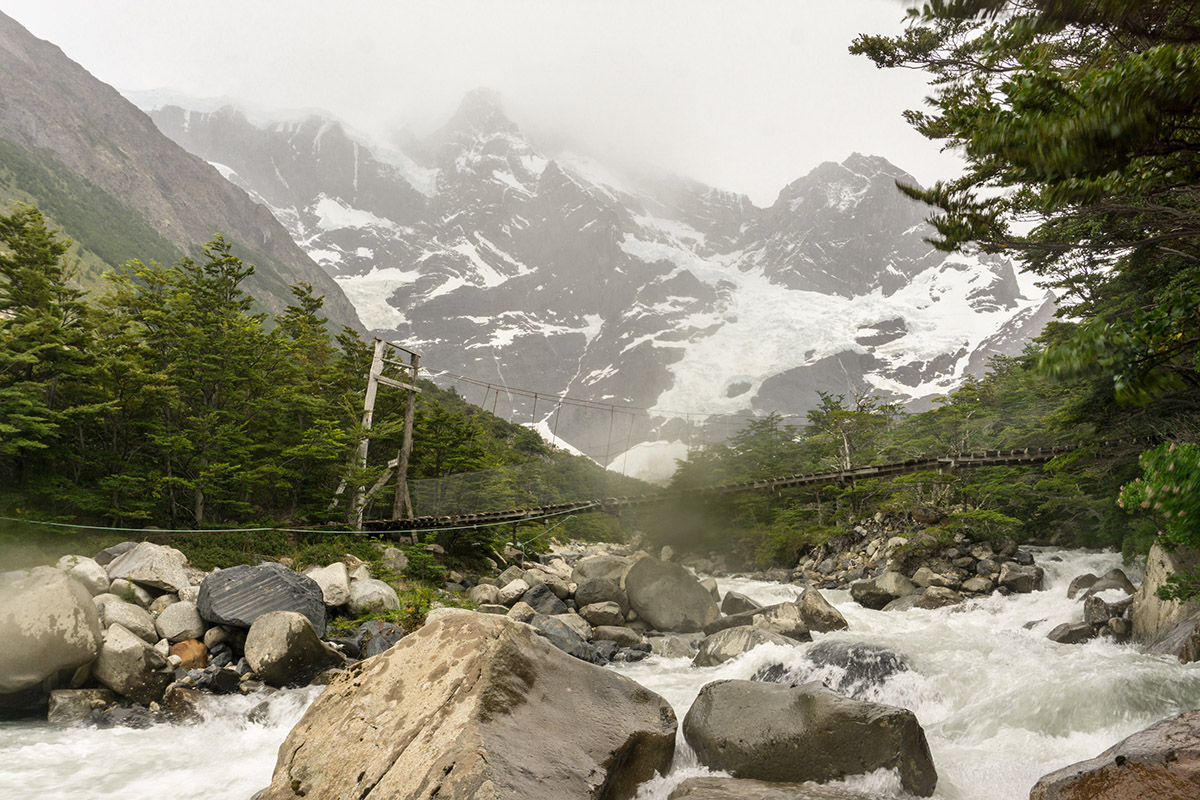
(283, 649)
(668, 597)
(1161, 762)
(745, 789)
(239, 595)
(48, 623)
(819, 613)
(807, 733)
(472, 706)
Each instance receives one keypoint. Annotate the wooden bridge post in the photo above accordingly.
(403, 501)
(358, 506)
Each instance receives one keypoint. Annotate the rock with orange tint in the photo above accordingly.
(1161, 762)
(193, 653)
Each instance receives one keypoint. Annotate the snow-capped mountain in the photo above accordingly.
(561, 276)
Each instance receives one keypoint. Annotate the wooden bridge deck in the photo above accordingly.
(954, 461)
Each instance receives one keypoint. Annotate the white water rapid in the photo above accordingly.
(1001, 705)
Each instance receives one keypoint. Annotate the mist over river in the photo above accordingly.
(1001, 705)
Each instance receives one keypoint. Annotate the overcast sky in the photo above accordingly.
(745, 95)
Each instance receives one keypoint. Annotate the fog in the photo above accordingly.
(743, 96)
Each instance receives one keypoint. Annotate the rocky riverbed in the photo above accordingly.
(663, 627)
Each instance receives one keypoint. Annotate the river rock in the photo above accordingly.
(539, 577)
(878, 592)
(151, 565)
(48, 623)
(669, 597)
(1096, 612)
(485, 594)
(1080, 584)
(85, 570)
(770, 732)
(521, 612)
(192, 653)
(396, 560)
(600, 566)
(1152, 616)
(130, 592)
(239, 595)
(180, 621)
(819, 614)
(623, 636)
(564, 637)
(133, 617)
(606, 613)
(785, 619)
(937, 597)
(1020, 579)
(577, 624)
(471, 706)
(736, 602)
(671, 647)
(283, 649)
(371, 596)
(130, 667)
(1113, 580)
(1072, 633)
(543, 600)
(334, 581)
(1182, 641)
(109, 554)
(513, 591)
(732, 642)
(601, 590)
(861, 666)
(978, 584)
(75, 706)
(1161, 762)
(746, 789)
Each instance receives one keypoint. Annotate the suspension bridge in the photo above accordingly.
(616, 505)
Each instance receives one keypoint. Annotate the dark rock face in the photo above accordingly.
(669, 597)
(543, 600)
(1072, 633)
(808, 733)
(736, 602)
(1161, 762)
(561, 636)
(239, 595)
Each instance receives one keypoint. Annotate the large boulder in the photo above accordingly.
(85, 570)
(472, 706)
(879, 591)
(746, 789)
(564, 637)
(1020, 579)
(819, 614)
(1151, 615)
(542, 599)
(239, 595)
(180, 621)
(732, 642)
(114, 611)
(48, 623)
(736, 603)
(602, 566)
(785, 619)
(601, 590)
(1181, 641)
(334, 581)
(130, 667)
(371, 596)
(283, 649)
(151, 565)
(770, 732)
(668, 597)
(1161, 762)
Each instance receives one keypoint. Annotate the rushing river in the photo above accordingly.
(1001, 705)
